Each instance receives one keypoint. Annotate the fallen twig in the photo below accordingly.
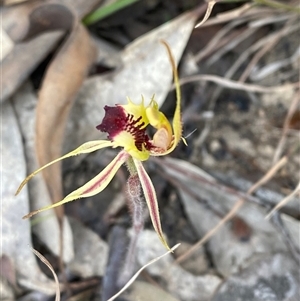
(285, 128)
(48, 264)
(291, 245)
(231, 84)
(234, 210)
(132, 279)
(284, 201)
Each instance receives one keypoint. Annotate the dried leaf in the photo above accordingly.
(46, 227)
(22, 60)
(30, 19)
(23, 21)
(48, 264)
(8, 270)
(61, 83)
(49, 17)
(209, 9)
(33, 17)
(15, 233)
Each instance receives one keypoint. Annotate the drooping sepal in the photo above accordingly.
(94, 186)
(85, 148)
(151, 200)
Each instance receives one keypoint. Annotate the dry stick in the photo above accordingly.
(242, 58)
(270, 20)
(245, 10)
(265, 49)
(279, 224)
(231, 84)
(132, 279)
(234, 210)
(215, 41)
(263, 72)
(287, 120)
(219, 40)
(48, 264)
(210, 6)
(212, 47)
(230, 72)
(284, 201)
(234, 68)
(233, 44)
(196, 177)
(278, 5)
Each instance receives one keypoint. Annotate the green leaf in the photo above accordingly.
(107, 10)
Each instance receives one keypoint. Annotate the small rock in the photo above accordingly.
(273, 278)
(283, 97)
(144, 291)
(197, 263)
(150, 247)
(229, 252)
(188, 287)
(91, 252)
(182, 284)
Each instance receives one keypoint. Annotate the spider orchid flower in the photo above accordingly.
(126, 128)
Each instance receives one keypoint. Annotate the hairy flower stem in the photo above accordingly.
(135, 204)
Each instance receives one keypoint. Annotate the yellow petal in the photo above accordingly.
(137, 111)
(127, 141)
(159, 121)
(88, 147)
(94, 186)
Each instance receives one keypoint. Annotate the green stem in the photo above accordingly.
(131, 166)
(105, 11)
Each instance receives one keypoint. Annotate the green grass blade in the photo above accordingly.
(105, 11)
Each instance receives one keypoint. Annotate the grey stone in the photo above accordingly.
(91, 252)
(47, 229)
(273, 278)
(229, 253)
(197, 263)
(263, 193)
(15, 232)
(180, 283)
(144, 291)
